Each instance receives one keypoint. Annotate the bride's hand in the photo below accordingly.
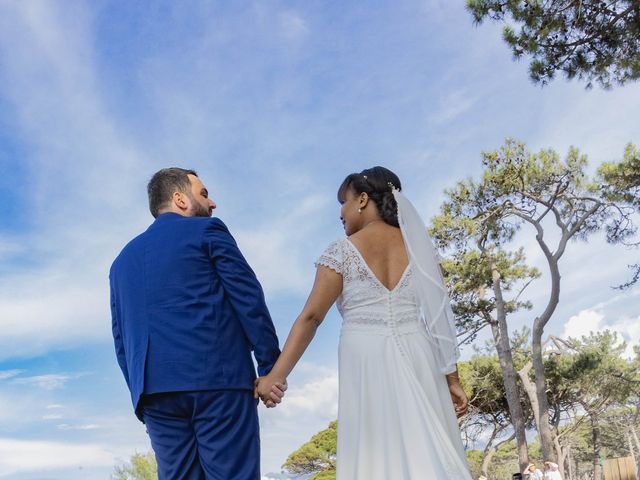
(459, 398)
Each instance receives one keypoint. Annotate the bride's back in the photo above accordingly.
(382, 248)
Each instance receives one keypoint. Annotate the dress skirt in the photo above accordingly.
(396, 419)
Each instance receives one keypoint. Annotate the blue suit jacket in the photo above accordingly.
(187, 310)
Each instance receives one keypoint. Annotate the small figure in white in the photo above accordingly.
(533, 473)
(551, 471)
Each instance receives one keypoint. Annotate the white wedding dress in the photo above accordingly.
(396, 420)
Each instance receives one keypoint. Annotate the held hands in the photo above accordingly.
(269, 390)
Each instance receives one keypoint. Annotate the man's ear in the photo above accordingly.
(180, 200)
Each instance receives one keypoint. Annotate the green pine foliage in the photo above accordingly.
(316, 455)
(592, 40)
(141, 466)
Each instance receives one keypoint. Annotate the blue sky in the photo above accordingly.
(274, 103)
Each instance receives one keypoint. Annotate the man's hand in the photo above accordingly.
(270, 390)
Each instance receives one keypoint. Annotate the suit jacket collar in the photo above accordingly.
(165, 218)
(168, 216)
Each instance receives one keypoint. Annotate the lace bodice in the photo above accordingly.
(365, 302)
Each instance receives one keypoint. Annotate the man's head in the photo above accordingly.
(179, 191)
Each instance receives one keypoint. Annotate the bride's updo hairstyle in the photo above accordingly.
(377, 182)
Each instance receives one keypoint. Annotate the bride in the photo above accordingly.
(399, 391)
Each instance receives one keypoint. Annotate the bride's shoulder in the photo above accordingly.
(336, 245)
(333, 255)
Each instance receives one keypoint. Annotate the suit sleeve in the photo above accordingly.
(244, 293)
(117, 334)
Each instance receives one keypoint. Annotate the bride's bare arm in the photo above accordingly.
(326, 289)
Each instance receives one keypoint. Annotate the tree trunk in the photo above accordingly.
(561, 454)
(490, 451)
(597, 443)
(503, 347)
(635, 438)
(570, 463)
(531, 391)
(529, 388)
(486, 461)
(632, 451)
(544, 428)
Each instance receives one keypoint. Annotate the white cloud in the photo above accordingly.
(62, 313)
(52, 416)
(595, 319)
(318, 397)
(34, 455)
(451, 106)
(4, 374)
(309, 405)
(86, 426)
(48, 382)
(583, 323)
(16, 410)
(83, 441)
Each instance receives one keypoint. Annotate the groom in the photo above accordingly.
(187, 310)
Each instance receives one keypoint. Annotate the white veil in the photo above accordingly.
(431, 294)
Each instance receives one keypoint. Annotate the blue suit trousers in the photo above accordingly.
(204, 435)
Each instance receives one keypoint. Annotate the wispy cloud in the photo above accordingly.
(62, 313)
(63, 299)
(565, 108)
(10, 248)
(52, 416)
(49, 76)
(282, 244)
(452, 106)
(86, 426)
(47, 382)
(5, 374)
(293, 25)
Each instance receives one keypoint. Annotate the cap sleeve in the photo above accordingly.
(332, 257)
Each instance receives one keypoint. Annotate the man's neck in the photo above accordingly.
(177, 212)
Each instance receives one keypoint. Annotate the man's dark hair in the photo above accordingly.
(164, 183)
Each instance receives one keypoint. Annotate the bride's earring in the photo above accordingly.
(359, 210)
